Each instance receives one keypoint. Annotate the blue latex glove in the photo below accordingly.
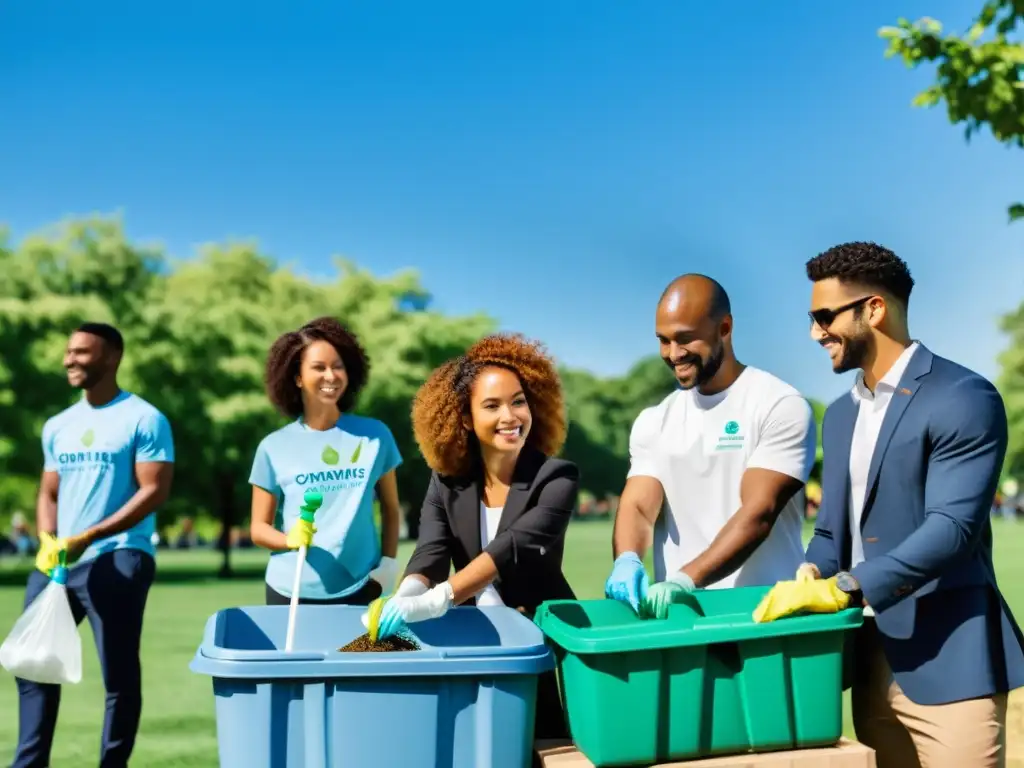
(661, 595)
(628, 580)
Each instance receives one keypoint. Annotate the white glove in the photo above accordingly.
(432, 604)
(385, 574)
(411, 587)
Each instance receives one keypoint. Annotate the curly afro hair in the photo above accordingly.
(285, 358)
(442, 404)
(865, 264)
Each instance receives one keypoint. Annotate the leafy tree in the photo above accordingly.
(1011, 385)
(980, 80)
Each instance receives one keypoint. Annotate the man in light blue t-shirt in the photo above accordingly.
(343, 464)
(107, 466)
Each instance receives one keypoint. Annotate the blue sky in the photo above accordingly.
(552, 163)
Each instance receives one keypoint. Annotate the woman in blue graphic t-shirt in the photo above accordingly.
(313, 376)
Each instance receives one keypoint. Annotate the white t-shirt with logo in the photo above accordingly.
(698, 447)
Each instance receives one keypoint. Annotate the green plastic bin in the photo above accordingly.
(707, 680)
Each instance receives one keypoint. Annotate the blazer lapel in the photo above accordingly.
(466, 511)
(920, 364)
(525, 473)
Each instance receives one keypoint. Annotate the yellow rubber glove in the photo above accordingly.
(48, 556)
(301, 534)
(803, 595)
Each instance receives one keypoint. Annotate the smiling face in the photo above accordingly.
(88, 359)
(842, 319)
(501, 417)
(322, 376)
(690, 342)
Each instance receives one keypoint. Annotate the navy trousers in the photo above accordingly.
(111, 592)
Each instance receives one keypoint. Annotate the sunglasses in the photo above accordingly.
(825, 317)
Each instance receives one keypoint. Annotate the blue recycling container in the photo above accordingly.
(465, 699)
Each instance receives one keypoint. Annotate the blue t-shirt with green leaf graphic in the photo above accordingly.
(94, 450)
(343, 464)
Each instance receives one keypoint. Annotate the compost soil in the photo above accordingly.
(362, 644)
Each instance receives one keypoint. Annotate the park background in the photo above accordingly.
(433, 173)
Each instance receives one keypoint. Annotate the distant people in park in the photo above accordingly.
(188, 537)
(912, 458)
(729, 451)
(489, 424)
(22, 541)
(107, 467)
(314, 375)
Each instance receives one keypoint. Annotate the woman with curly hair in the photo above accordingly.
(313, 376)
(489, 424)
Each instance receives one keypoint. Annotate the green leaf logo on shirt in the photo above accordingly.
(330, 456)
(357, 451)
(88, 438)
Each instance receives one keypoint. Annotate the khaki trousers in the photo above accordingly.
(964, 734)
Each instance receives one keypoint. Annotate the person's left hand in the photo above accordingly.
(661, 595)
(385, 574)
(399, 611)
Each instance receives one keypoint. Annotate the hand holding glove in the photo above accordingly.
(808, 593)
(628, 580)
(661, 595)
(48, 556)
(50, 548)
(301, 534)
(399, 611)
(386, 573)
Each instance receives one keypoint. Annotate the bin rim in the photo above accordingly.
(725, 628)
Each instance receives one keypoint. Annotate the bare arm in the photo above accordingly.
(261, 524)
(639, 507)
(46, 503)
(763, 494)
(390, 513)
(154, 480)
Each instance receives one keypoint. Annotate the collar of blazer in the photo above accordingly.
(920, 365)
(469, 494)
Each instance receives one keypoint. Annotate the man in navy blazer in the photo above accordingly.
(912, 457)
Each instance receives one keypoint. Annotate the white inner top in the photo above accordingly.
(489, 519)
(699, 447)
(871, 408)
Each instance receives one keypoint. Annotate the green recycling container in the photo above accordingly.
(707, 680)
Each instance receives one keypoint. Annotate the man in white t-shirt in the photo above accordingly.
(717, 468)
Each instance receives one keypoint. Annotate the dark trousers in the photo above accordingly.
(366, 594)
(111, 592)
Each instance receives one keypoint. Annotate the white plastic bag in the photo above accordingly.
(44, 646)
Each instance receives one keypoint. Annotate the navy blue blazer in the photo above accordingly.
(946, 630)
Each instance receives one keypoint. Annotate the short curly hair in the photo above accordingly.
(442, 404)
(285, 358)
(865, 264)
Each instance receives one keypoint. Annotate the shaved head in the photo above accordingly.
(693, 324)
(702, 295)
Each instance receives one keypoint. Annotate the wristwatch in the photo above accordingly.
(849, 584)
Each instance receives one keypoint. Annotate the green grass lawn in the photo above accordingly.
(178, 727)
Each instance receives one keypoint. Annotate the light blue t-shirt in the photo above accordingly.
(94, 451)
(343, 464)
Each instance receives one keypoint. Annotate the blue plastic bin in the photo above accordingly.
(466, 699)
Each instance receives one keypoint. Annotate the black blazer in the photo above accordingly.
(530, 539)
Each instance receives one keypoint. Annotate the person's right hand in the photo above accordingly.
(301, 534)
(411, 587)
(808, 571)
(628, 580)
(48, 556)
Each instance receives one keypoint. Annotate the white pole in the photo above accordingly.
(294, 606)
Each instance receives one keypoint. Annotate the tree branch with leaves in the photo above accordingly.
(980, 75)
